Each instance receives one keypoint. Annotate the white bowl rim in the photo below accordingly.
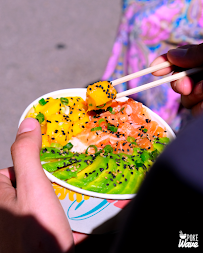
(76, 189)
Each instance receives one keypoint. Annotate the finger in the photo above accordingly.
(197, 109)
(7, 192)
(25, 154)
(195, 97)
(79, 237)
(190, 57)
(187, 46)
(183, 86)
(4, 180)
(9, 173)
(159, 60)
(35, 194)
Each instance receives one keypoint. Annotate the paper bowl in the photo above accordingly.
(90, 212)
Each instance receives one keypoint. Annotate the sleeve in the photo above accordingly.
(170, 199)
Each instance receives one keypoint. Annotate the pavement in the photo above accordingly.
(49, 45)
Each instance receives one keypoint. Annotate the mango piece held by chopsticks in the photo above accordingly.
(100, 95)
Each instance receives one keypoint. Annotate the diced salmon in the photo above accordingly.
(130, 118)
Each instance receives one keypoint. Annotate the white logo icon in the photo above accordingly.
(188, 240)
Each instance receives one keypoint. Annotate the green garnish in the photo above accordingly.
(154, 154)
(34, 108)
(108, 149)
(110, 109)
(136, 151)
(68, 146)
(64, 101)
(101, 120)
(122, 109)
(96, 129)
(144, 156)
(42, 102)
(101, 106)
(90, 104)
(145, 130)
(40, 117)
(112, 128)
(56, 145)
(130, 139)
(91, 146)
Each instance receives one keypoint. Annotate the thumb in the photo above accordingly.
(35, 194)
(26, 156)
(186, 57)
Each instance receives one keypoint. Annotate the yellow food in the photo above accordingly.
(45, 141)
(51, 107)
(60, 121)
(100, 95)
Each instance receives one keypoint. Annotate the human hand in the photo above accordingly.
(190, 87)
(31, 216)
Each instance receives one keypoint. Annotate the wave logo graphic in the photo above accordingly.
(86, 210)
(89, 213)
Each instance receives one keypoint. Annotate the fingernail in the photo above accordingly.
(198, 90)
(174, 84)
(179, 52)
(27, 125)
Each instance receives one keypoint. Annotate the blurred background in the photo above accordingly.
(46, 46)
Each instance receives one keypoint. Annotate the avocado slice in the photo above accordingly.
(90, 173)
(134, 181)
(160, 143)
(49, 153)
(53, 166)
(135, 176)
(73, 169)
(124, 177)
(159, 147)
(109, 177)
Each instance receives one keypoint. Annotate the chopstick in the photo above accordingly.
(141, 73)
(158, 82)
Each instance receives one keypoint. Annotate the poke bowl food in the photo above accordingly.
(97, 147)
